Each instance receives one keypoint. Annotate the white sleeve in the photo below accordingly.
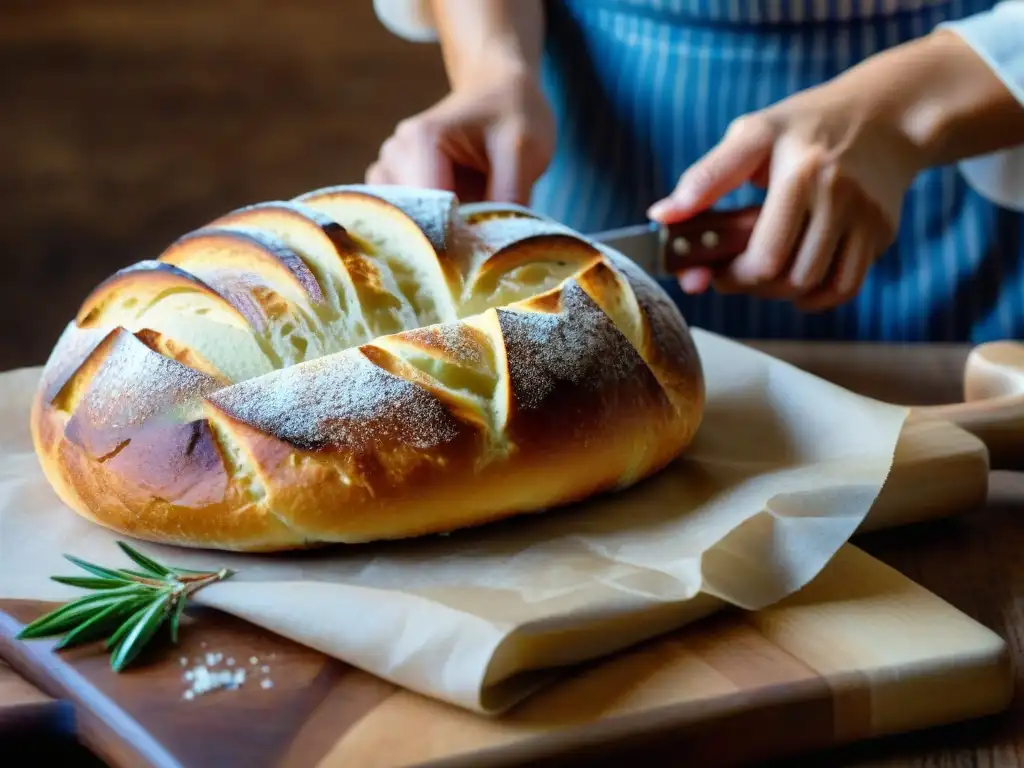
(997, 36)
(409, 19)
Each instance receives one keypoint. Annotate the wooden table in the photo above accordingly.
(36, 727)
(975, 562)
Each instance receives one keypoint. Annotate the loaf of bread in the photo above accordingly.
(362, 363)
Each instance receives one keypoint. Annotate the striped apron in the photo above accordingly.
(643, 88)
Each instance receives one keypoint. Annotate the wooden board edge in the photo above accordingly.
(835, 709)
(687, 729)
(939, 470)
(101, 725)
(41, 717)
(684, 726)
(992, 697)
(24, 709)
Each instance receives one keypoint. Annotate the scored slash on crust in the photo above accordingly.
(362, 363)
(146, 282)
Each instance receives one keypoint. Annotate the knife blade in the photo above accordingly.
(708, 239)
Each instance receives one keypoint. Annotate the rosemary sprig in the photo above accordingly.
(128, 606)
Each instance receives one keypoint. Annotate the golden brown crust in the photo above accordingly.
(413, 370)
(144, 282)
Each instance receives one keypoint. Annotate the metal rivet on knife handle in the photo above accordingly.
(707, 239)
(681, 246)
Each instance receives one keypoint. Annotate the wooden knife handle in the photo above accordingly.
(707, 239)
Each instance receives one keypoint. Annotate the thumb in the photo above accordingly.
(509, 180)
(743, 151)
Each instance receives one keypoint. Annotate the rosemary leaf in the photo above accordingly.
(141, 633)
(65, 617)
(100, 624)
(190, 572)
(97, 570)
(91, 582)
(144, 562)
(136, 575)
(115, 639)
(179, 607)
(129, 606)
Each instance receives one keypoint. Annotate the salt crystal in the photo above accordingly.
(253, 660)
(264, 669)
(205, 679)
(266, 683)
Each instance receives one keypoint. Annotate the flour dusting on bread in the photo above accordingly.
(574, 344)
(362, 363)
(340, 402)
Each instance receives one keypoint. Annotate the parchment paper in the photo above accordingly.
(784, 469)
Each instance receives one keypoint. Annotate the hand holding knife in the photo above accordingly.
(708, 239)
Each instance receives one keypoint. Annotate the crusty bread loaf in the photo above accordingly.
(362, 363)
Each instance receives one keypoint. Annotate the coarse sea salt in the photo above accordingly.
(203, 680)
(205, 676)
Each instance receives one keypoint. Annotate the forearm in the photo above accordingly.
(947, 100)
(483, 40)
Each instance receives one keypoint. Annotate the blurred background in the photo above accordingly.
(126, 123)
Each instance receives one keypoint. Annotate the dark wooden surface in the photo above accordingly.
(24, 708)
(973, 562)
(785, 697)
(128, 122)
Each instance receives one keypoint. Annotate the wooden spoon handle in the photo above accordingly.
(993, 407)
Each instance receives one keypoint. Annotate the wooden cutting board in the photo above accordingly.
(25, 708)
(860, 652)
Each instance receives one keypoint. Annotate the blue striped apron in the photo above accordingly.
(643, 88)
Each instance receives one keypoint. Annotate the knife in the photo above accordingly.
(709, 238)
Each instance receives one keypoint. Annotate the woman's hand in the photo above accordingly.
(493, 136)
(837, 161)
(485, 141)
(836, 171)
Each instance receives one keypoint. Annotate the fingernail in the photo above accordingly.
(693, 282)
(678, 203)
(658, 209)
